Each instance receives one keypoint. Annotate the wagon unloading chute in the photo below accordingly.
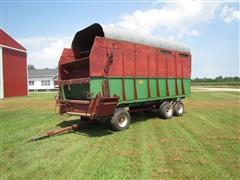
(108, 73)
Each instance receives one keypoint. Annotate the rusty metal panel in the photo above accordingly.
(179, 67)
(171, 67)
(129, 63)
(98, 59)
(162, 65)
(186, 65)
(104, 106)
(141, 61)
(67, 56)
(136, 60)
(125, 45)
(116, 68)
(152, 64)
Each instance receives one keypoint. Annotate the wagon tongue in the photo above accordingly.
(60, 131)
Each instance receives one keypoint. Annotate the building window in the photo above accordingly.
(31, 83)
(45, 83)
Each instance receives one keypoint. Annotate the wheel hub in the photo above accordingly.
(168, 111)
(122, 121)
(180, 108)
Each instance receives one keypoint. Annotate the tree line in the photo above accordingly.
(217, 79)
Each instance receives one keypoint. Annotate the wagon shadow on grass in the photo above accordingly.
(101, 127)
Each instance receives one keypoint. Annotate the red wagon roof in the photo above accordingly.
(8, 42)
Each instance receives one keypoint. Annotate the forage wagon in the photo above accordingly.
(110, 74)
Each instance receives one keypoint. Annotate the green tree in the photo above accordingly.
(31, 66)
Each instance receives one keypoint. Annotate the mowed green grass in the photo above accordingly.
(203, 144)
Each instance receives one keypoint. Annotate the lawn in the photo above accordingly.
(203, 144)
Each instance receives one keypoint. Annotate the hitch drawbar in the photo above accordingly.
(59, 131)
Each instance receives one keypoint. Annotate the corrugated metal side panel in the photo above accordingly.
(135, 60)
(166, 88)
(14, 73)
(67, 56)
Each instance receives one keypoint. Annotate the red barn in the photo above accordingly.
(13, 67)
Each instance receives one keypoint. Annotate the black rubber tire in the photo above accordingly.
(166, 110)
(117, 121)
(178, 108)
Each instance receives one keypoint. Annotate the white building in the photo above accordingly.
(41, 79)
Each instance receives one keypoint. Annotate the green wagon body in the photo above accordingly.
(81, 91)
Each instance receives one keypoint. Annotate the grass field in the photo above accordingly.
(203, 144)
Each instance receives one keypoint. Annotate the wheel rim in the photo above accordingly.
(180, 108)
(123, 120)
(169, 111)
